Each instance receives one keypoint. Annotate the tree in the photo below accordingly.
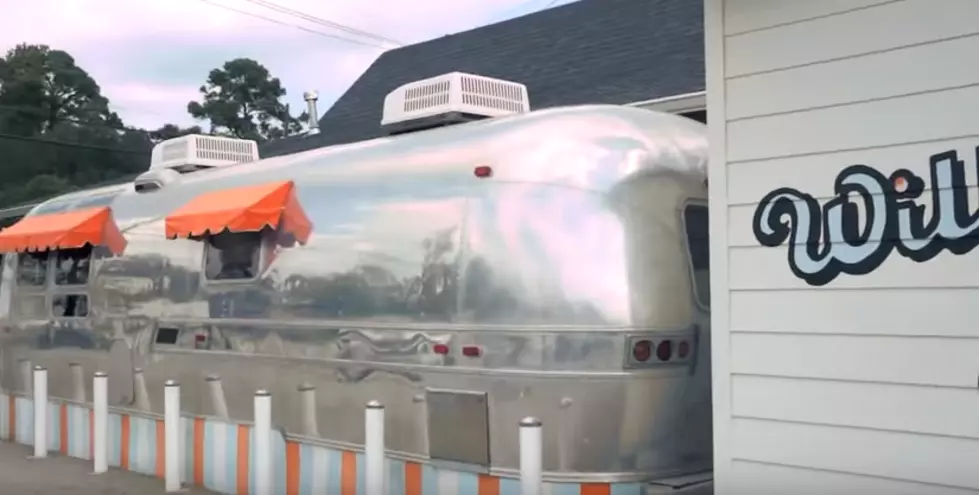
(43, 88)
(170, 131)
(242, 99)
(57, 132)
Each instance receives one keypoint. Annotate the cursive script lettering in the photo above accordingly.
(827, 241)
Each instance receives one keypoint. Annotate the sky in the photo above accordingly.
(150, 57)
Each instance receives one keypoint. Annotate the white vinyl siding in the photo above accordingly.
(867, 384)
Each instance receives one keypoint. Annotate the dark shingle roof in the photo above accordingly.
(590, 51)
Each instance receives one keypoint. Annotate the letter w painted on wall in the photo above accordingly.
(825, 241)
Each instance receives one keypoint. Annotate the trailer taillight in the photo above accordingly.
(483, 171)
(471, 351)
(683, 349)
(664, 350)
(642, 350)
(440, 349)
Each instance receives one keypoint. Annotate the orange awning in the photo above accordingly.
(72, 229)
(242, 209)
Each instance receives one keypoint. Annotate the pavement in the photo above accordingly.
(20, 475)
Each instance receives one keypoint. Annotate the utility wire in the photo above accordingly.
(296, 26)
(66, 144)
(323, 22)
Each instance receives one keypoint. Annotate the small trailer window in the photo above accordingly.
(69, 306)
(233, 256)
(696, 226)
(32, 269)
(71, 266)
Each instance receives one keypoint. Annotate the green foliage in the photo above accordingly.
(243, 100)
(58, 133)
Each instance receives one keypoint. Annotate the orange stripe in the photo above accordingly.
(292, 468)
(242, 460)
(413, 478)
(63, 429)
(199, 451)
(596, 489)
(12, 418)
(124, 448)
(91, 434)
(489, 485)
(348, 473)
(161, 448)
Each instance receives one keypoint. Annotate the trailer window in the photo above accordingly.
(233, 256)
(696, 226)
(71, 266)
(32, 269)
(69, 306)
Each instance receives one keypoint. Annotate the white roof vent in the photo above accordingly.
(449, 99)
(195, 151)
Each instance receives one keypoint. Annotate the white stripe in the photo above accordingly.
(448, 483)
(321, 469)
(217, 464)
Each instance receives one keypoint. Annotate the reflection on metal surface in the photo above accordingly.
(524, 289)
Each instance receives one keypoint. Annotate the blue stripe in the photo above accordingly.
(468, 483)
(510, 486)
(565, 489)
(279, 463)
(187, 450)
(626, 489)
(429, 480)
(396, 477)
(54, 426)
(360, 473)
(115, 440)
(306, 469)
(231, 458)
(333, 464)
(25, 421)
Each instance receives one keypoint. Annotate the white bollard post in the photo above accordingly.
(171, 436)
(100, 426)
(375, 476)
(40, 412)
(307, 396)
(263, 443)
(531, 453)
(218, 403)
(77, 382)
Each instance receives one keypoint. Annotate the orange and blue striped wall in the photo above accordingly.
(218, 455)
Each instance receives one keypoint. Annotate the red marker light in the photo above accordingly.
(483, 171)
(641, 350)
(200, 337)
(440, 349)
(683, 350)
(471, 351)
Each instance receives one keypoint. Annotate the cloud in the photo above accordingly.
(150, 57)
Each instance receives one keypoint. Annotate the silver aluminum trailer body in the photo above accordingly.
(568, 283)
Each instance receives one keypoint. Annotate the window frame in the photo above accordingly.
(263, 247)
(53, 268)
(695, 203)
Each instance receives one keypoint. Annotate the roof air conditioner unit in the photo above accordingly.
(449, 99)
(195, 152)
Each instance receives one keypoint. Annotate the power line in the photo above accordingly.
(296, 26)
(66, 144)
(323, 22)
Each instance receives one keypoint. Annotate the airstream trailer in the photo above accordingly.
(467, 274)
